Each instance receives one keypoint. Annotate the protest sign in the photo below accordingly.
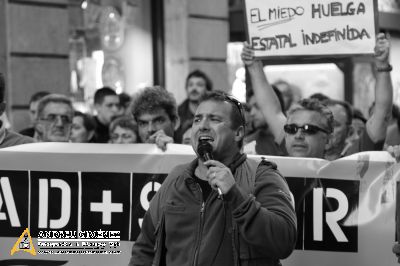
(94, 201)
(311, 27)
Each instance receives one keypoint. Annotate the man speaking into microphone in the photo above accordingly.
(222, 208)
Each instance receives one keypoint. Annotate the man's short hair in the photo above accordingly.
(199, 74)
(346, 106)
(124, 99)
(38, 95)
(319, 96)
(52, 98)
(237, 114)
(102, 93)
(152, 99)
(88, 121)
(124, 122)
(316, 106)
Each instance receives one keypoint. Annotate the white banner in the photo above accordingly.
(345, 208)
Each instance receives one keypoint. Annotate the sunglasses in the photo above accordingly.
(239, 106)
(306, 129)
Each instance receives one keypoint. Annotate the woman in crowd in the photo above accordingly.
(123, 130)
(83, 126)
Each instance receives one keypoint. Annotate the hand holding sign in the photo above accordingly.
(382, 50)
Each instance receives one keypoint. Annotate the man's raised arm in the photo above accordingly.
(379, 120)
(266, 98)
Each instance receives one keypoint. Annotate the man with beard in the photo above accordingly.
(249, 221)
(154, 110)
(197, 83)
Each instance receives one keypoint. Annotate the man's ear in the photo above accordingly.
(329, 141)
(350, 131)
(39, 130)
(177, 123)
(239, 134)
(2, 107)
(91, 134)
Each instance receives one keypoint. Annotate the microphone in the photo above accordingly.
(204, 149)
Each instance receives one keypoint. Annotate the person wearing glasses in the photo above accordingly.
(308, 129)
(376, 125)
(224, 210)
(155, 112)
(7, 137)
(54, 118)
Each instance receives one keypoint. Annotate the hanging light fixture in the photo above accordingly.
(84, 4)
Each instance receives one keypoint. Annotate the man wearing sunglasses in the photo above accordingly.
(376, 124)
(249, 221)
(308, 129)
(54, 118)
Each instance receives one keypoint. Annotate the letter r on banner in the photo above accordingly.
(332, 217)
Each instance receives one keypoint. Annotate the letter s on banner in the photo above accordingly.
(144, 199)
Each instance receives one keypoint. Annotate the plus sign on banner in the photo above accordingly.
(106, 202)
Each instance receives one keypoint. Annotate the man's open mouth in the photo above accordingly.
(206, 138)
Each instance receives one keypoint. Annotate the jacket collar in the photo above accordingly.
(2, 131)
(237, 161)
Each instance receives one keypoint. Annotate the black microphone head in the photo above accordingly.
(204, 149)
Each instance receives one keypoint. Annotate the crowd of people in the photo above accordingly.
(272, 122)
(277, 124)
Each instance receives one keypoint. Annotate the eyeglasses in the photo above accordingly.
(306, 129)
(239, 106)
(52, 118)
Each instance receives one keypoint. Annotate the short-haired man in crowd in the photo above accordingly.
(308, 129)
(7, 137)
(54, 118)
(155, 112)
(33, 102)
(375, 132)
(197, 84)
(252, 221)
(107, 106)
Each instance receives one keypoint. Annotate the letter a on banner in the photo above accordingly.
(24, 243)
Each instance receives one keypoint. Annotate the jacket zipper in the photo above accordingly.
(196, 254)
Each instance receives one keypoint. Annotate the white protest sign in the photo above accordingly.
(311, 27)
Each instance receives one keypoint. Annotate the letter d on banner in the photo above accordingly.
(65, 206)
